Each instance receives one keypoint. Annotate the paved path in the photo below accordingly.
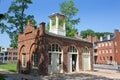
(97, 74)
(106, 66)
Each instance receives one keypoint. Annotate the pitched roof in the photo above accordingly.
(66, 37)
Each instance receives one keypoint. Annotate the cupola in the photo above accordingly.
(57, 24)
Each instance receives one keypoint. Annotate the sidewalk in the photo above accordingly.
(97, 74)
(113, 74)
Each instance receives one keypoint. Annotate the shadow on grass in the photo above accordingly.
(3, 63)
(2, 76)
(12, 70)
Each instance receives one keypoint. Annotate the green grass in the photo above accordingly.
(2, 76)
(8, 66)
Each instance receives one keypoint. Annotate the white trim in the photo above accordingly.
(55, 52)
(86, 55)
(55, 56)
(23, 59)
(70, 53)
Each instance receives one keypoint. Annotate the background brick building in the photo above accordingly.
(107, 50)
(8, 55)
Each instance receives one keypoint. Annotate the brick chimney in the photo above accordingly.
(76, 35)
(42, 28)
(116, 32)
(92, 38)
(29, 23)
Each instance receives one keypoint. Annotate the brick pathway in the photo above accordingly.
(97, 74)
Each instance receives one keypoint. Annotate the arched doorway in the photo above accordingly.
(86, 59)
(55, 57)
(72, 59)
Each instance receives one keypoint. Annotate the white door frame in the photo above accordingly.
(70, 61)
(84, 57)
(58, 66)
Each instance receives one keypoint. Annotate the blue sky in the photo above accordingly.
(98, 15)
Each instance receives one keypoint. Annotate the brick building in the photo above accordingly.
(51, 52)
(107, 50)
(12, 55)
(8, 55)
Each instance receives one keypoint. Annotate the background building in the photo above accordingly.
(8, 55)
(107, 49)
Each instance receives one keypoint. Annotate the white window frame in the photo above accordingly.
(102, 44)
(106, 50)
(99, 45)
(23, 59)
(116, 50)
(115, 43)
(103, 51)
(110, 50)
(33, 61)
(106, 44)
(110, 43)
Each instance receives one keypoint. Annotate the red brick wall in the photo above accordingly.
(117, 39)
(12, 55)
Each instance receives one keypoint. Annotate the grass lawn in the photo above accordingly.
(8, 66)
(2, 76)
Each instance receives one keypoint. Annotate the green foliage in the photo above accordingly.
(16, 19)
(61, 23)
(69, 10)
(92, 33)
(14, 39)
(99, 34)
(47, 27)
(53, 22)
(1, 16)
(8, 66)
(71, 31)
(87, 32)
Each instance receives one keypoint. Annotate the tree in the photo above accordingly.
(0, 48)
(87, 32)
(1, 16)
(69, 10)
(84, 33)
(99, 34)
(15, 20)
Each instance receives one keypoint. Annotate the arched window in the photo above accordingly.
(23, 59)
(85, 50)
(72, 49)
(55, 48)
(34, 60)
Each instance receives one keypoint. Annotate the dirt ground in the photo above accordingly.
(97, 74)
